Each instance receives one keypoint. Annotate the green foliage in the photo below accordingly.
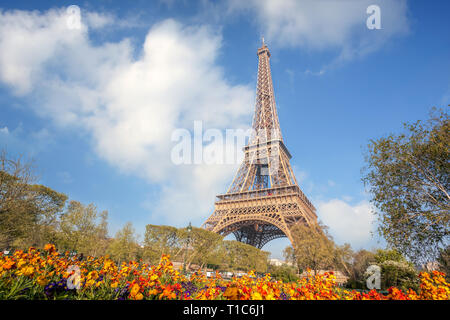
(408, 177)
(396, 271)
(81, 230)
(444, 261)
(361, 260)
(160, 240)
(284, 273)
(343, 258)
(289, 255)
(202, 245)
(241, 256)
(14, 290)
(382, 256)
(28, 212)
(124, 246)
(314, 247)
(398, 274)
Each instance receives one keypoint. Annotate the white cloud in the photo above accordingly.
(4, 130)
(325, 24)
(348, 223)
(128, 106)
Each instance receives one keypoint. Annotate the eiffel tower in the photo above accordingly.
(264, 201)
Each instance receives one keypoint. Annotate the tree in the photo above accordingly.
(361, 260)
(80, 230)
(398, 274)
(43, 207)
(261, 260)
(203, 244)
(159, 240)
(396, 271)
(343, 258)
(101, 236)
(314, 248)
(444, 261)
(284, 272)
(233, 252)
(28, 212)
(289, 255)
(242, 256)
(408, 177)
(124, 246)
(388, 255)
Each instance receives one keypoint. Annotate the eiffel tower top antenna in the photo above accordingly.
(265, 121)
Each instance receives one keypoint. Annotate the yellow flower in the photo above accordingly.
(27, 271)
(256, 296)
(21, 263)
(89, 283)
(92, 275)
(153, 277)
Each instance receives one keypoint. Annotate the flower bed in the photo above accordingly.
(51, 275)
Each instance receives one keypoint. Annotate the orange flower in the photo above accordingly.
(139, 296)
(134, 290)
(26, 271)
(168, 293)
(8, 265)
(49, 247)
(231, 293)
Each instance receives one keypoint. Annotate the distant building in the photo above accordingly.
(340, 277)
(278, 262)
(177, 265)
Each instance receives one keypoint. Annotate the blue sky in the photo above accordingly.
(95, 105)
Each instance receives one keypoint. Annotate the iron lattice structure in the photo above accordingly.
(264, 201)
